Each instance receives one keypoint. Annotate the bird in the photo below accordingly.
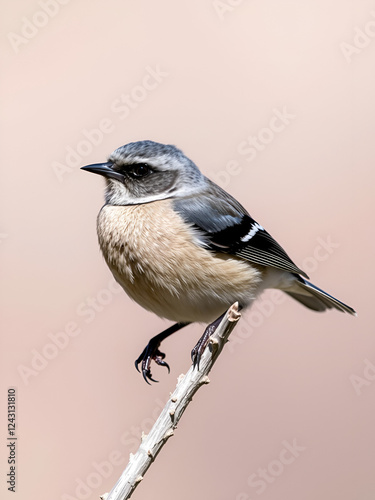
(184, 248)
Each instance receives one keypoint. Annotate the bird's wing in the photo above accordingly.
(227, 227)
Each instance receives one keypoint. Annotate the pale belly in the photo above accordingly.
(153, 256)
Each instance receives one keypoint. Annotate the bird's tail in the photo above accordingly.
(314, 298)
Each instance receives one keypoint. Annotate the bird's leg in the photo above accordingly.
(200, 346)
(151, 352)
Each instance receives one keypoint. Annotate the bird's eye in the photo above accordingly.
(139, 170)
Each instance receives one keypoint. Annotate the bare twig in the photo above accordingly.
(164, 426)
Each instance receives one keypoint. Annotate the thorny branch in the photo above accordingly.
(165, 425)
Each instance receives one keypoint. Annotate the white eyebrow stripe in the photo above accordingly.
(255, 228)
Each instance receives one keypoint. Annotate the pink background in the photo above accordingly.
(289, 374)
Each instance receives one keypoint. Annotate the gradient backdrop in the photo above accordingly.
(275, 101)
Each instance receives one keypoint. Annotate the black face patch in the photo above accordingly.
(142, 180)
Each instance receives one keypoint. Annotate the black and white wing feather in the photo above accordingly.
(227, 227)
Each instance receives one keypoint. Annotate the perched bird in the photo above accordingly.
(184, 248)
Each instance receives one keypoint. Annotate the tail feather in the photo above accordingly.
(309, 301)
(315, 298)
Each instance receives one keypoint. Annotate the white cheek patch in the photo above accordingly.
(117, 194)
(255, 228)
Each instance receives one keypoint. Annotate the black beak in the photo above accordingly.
(105, 169)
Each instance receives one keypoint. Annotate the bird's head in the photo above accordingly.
(146, 171)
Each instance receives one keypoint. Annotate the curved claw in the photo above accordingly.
(151, 352)
(159, 359)
(163, 363)
(148, 354)
(140, 358)
(147, 375)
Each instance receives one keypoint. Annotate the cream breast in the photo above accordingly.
(157, 259)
